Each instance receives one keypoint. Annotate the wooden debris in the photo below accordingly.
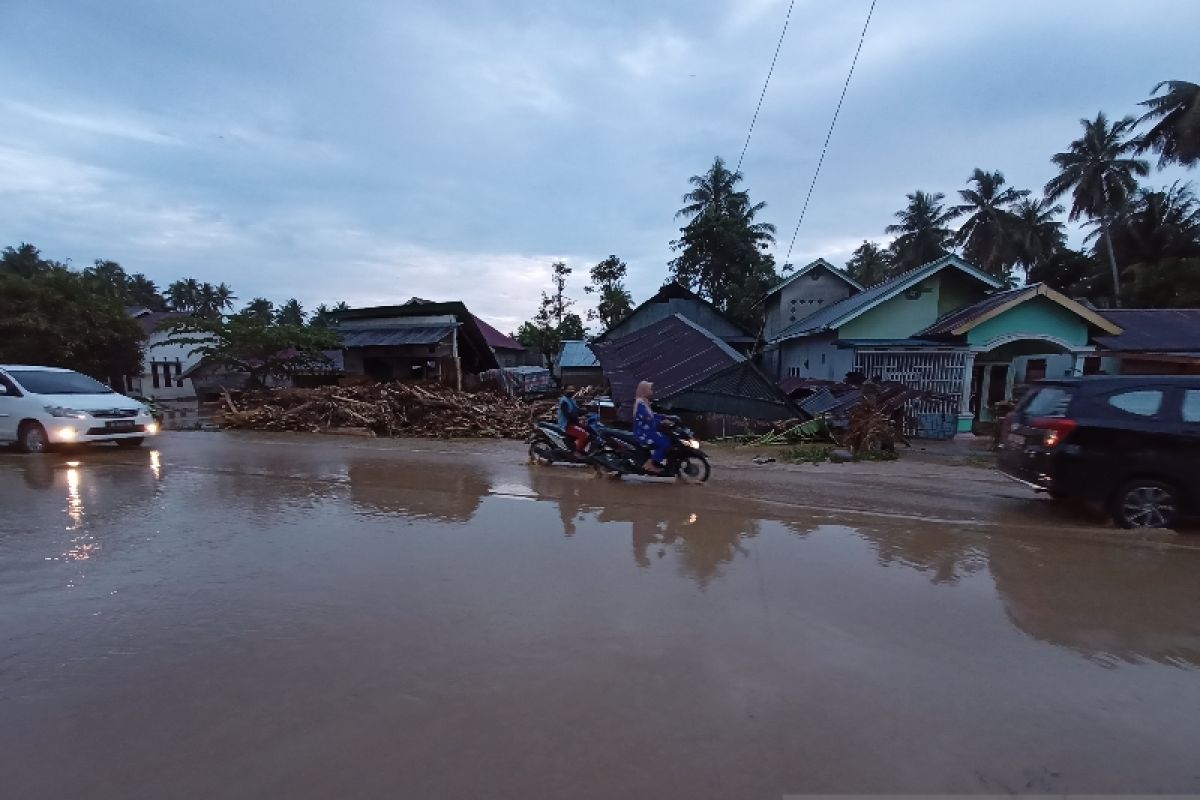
(392, 409)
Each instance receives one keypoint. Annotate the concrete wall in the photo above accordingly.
(900, 317)
(814, 357)
(802, 298)
(171, 356)
(1036, 317)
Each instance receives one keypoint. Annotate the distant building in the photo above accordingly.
(166, 364)
(1154, 341)
(577, 365)
(676, 299)
(945, 327)
(509, 352)
(419, 340)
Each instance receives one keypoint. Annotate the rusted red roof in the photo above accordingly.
(497, 340)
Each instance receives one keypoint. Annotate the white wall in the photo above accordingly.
(160, 351)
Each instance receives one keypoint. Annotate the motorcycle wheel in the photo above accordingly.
(541, 452)
(694, 469)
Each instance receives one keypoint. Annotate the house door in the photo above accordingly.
(993, 389)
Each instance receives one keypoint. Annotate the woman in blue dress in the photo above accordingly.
(645, 428)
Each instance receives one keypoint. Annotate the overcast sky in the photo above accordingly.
(372, 151)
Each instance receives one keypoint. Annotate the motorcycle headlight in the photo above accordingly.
(692, 443)
(60, 411)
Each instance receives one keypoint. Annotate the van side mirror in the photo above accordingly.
(3, 390)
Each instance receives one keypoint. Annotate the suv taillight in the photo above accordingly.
(1056, 429)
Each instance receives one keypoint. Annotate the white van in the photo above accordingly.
(41, 406)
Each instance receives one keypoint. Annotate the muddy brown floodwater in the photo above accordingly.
(249, 617)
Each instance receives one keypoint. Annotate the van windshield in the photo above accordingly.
(44, 381)
(1048, 401)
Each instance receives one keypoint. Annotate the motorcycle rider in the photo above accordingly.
(645, 428)
(569, 414)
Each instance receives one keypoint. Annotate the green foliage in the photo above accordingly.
(290, 313)
(1037, 234)
(1100, 175)
(608, 284)
(324, 316)
(809, 453)
(722, 248)
(52, 315)
(251, 344)
(1176, 132)
(202, 299)
(988, 234)
(261, 309)
(922, 232)
(869, 264)
(554, 320)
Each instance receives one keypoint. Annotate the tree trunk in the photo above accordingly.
(1112, 262)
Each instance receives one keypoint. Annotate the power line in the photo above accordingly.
(862, 38)
(766, 83)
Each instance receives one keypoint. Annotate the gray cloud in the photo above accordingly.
(375, 151)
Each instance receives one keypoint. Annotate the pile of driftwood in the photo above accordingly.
(391, 409)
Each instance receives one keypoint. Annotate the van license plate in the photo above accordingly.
(119, 425)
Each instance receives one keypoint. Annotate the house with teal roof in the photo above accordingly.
(946, 327)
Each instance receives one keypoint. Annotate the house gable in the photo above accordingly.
(818, 285)
(915, 308)
(674, 299)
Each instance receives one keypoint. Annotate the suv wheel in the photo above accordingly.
(1146, 503)
(32, 438)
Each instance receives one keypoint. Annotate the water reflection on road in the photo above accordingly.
(298, 617)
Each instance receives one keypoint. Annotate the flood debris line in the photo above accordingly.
(393, 409)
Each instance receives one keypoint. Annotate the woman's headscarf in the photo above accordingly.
(645, 392)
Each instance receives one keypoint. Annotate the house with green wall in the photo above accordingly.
(946, 327)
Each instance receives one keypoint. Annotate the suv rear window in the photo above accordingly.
(1048, 401)
(1140, 402)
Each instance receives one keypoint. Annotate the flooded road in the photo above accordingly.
(247, 617)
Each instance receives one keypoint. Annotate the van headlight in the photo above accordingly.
(60, 411)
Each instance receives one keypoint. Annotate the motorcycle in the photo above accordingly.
(549, 443)
(618, 451)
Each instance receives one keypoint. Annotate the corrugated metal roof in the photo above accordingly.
(674, 298)
(395, 336)
(679, 357)
(576, 354)
(946, 324)
(1153, 330)
(856, 304)
(495, 339)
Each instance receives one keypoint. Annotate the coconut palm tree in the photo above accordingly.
(1176, 132)
(223, 296)
(922, 232)
(184, 295)
(261, 309)
(986, 235)
(1158, 224)
(716, 193)
(1101, 176)
(1037, 233)
(869, 264)
(290, 313)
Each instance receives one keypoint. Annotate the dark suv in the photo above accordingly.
(1130, 442)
